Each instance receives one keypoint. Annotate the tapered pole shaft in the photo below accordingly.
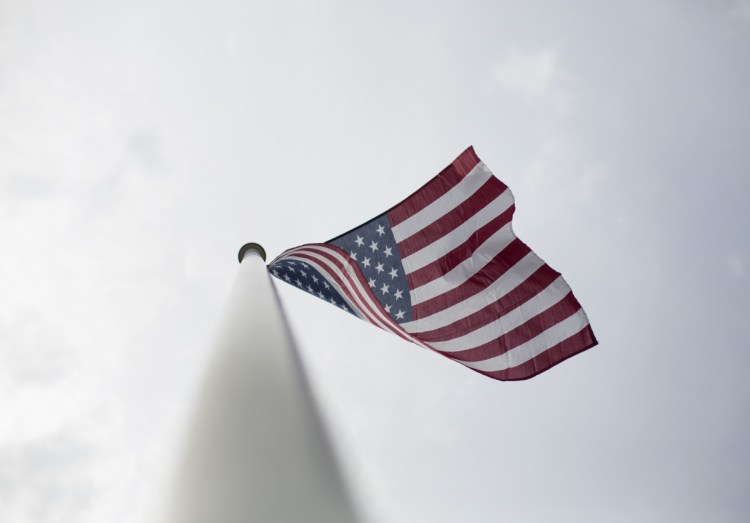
(258, 451)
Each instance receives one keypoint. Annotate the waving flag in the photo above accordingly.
(444, 270)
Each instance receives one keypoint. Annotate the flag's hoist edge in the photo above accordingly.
(444, 270)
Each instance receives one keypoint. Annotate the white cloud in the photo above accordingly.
(737, 264)
(527, 72)
(741, 9)
(561, 176)
(536, 77)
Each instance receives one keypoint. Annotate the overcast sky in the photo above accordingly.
(143, 142)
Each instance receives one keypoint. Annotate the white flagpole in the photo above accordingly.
(258, 449)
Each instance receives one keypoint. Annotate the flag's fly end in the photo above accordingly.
(251, 247)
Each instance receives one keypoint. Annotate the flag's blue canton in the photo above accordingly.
(309, 280)
(374, 249)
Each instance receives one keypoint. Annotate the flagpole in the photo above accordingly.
(258, 450)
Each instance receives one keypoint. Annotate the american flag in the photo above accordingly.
(444, 270)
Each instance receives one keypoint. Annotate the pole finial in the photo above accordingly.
(251, 247)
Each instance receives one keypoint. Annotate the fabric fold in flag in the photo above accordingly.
(444, 270)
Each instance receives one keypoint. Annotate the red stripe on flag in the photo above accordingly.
(450, 261)
(534, 284)
(521, 334)
(491, 189)
(499, 265)
(435, 188)
(577, 343)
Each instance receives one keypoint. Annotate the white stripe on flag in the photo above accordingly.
(554, 292)
(459, 235)
(511, 279)
(468, 268)
(477, 177)
(534, 347)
